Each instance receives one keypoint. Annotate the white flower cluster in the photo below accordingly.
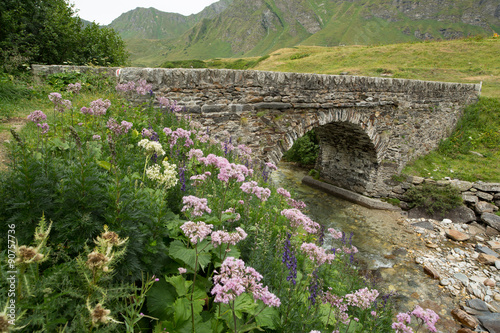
(169, 176)
(151, 147)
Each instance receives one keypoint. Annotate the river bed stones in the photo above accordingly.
(465, 260)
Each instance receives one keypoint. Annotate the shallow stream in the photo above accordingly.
(385, 247)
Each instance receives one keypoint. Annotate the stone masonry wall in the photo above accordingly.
(369, 127)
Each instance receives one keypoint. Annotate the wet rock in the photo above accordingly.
(464, 318)
(474, 312)
(457, 235)
(464, 330)
(497, 264)
(424, 224)
(491, 322)
(485, 207)
(486, 250)
(489, 282)
(431, 271)
(492, 220)
(462, 278)
(477, 304)
(486, 259)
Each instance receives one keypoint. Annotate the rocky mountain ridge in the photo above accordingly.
(236, 28)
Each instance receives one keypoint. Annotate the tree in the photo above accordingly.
(48, 32)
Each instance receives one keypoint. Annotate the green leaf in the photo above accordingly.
(182, 310)
(180, 284)
(178, 250)
(104, 164)
(244, 304)
(268, 317)
(160, 298)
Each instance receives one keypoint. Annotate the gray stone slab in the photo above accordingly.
(348, 195)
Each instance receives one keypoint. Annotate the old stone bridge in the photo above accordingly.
(369, 127)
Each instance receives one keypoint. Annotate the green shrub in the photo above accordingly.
(434, 198)
(305, 150)
(299, 56)
(184, 64)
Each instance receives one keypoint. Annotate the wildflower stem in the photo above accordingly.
(192, 290)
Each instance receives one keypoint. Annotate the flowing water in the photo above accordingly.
(385, 248)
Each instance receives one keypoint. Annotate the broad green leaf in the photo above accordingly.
(180, 284)
(268, 317)
(160, 299)
(178, 250)
(182, 310)
(244, 304)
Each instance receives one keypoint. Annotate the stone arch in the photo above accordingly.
(351, 150)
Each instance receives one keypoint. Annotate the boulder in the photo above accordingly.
(492, 220)
(491, 322)
(487, 187)
(461, 185)
(457, 235)
(485, 207)
(431, 271)
(464, 318)
(485, 250)
(484, 196)
(461, 214)
(487, 259)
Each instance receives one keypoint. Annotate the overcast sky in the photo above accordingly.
(105, 11)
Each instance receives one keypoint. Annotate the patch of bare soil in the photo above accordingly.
(5, 136)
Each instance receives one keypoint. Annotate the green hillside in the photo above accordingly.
(239, 28)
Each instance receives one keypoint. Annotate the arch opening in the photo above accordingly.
(347, 157)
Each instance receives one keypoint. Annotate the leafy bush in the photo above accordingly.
(299, 56)
(184, 64)
(304, 150)
(434, 198)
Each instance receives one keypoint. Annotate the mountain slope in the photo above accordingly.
(150, 23)
(236, 28)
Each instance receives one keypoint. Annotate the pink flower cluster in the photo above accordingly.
(296, 203)
(338, 306)
(317, 254)
(233, 171)
(169, 104)
(335, 234)
(362, 298)
(199, 179)
(234, 279)
(196, 232)
(99, 107)
(196, 206)
(141, 87)
(118, 129)
(74, 87)
(245, 152)
(297, 218)
(178, 134)
(233, 211)
(223, 237)
(271, 166)
(37, 116)
(283, 192)
(195, 153)
(59, 104)
(428, 317)
(44, 127)
(260, 192)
